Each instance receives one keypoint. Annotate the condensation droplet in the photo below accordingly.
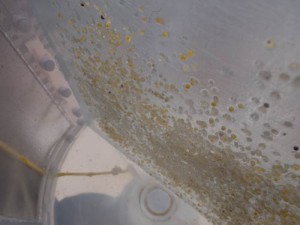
(164, 34)
(185, 68)
(122, 2)
(81, 121)
(214, 112)
(275, 95)
(262, 109)
(267, 135)
(254, 116)
(294, 66)
(284, 77)
(258, 64)
(266, 75)
(262, 146)
(211, 82)
(159, 21)
(202, 124)
(215, 90)
(76, 112)
(274, 131)
(204, 92)
(233, 99)
(204, 105)
(255, 100)
(227, 72)
(296, 82)
(288, 124)
(65, 92)
(260, 84)
(246, 131)
(270, 44)
(240, 105)
(163, 57)
(47, 64)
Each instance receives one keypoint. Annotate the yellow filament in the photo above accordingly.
(14, 153)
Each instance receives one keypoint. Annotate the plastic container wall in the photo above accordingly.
(35, 122)
(203, 95)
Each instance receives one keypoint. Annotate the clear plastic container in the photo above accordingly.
(201, 96)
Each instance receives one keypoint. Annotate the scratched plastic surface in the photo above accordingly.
(203, 95)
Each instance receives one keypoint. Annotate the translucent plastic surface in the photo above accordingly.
(31, 126)
(203, 95)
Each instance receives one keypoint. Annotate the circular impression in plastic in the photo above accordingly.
(156, 203)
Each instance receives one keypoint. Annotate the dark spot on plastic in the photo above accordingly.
(121, 86)
(296, 148)
(109, 92)
(266, 105)
(284, 134)
(102, 17)
(82, 4)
